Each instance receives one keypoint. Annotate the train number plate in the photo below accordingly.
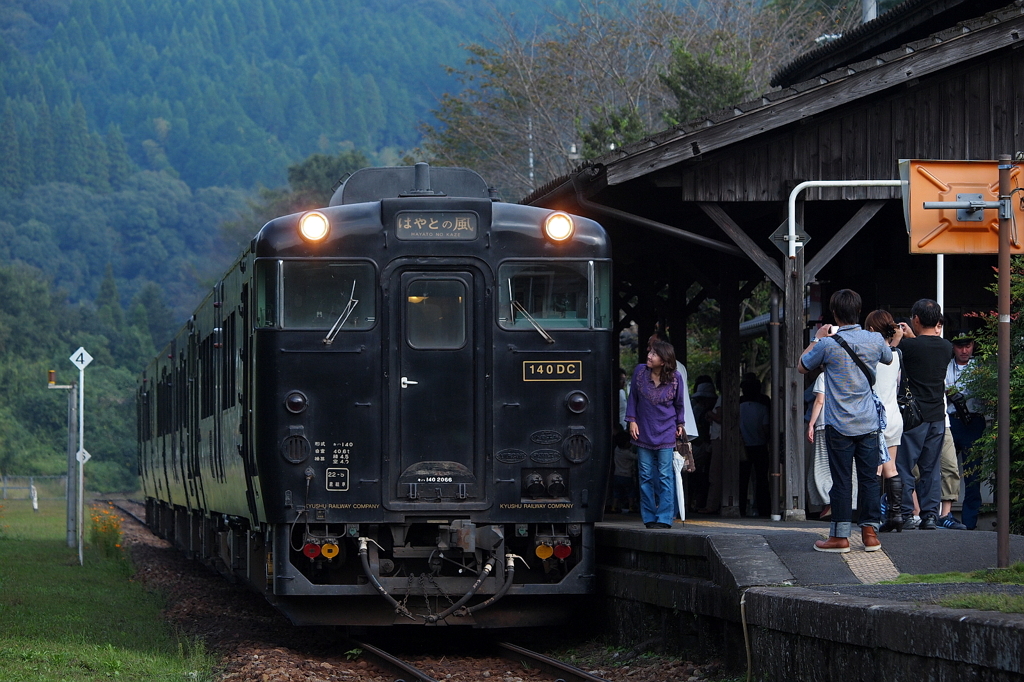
(337, 479)
(560, 370)
(413, 225)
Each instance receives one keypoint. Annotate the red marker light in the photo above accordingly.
(563, 551)
(310, 550)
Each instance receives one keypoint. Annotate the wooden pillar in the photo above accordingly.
(794, 499)
(729, 300)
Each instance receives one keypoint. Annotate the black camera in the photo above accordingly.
(959, 401)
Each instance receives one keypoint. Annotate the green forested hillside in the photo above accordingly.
(229, 92)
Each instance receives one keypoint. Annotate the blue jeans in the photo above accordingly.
(657, 485)
(845, 452)
(964, 436)
(921, 447)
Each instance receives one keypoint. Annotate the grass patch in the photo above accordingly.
(1014, 575)
(64, 622)
(1006, 603)
(985, 602)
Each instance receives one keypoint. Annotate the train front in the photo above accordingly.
(431, 404)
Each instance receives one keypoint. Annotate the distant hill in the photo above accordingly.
(229, 92)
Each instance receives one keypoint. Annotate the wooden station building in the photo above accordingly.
(700, 203)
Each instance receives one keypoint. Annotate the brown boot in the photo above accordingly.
(833, 544)
(871, 543)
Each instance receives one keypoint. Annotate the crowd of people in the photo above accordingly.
(896, 476)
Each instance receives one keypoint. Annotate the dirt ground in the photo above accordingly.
(255, 642)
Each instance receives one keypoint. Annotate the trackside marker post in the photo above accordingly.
(81, 359)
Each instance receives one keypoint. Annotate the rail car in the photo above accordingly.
(394, 409)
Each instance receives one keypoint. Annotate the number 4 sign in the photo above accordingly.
(81, 358)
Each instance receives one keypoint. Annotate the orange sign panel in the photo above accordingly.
(957, 230)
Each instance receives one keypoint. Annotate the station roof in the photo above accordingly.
(900, 66)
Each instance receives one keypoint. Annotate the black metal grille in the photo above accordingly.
(577, 448)
(295, 449)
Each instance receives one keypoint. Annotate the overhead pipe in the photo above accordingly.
(792, 239)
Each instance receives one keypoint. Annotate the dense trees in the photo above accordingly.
(222, 92)
(533, 105)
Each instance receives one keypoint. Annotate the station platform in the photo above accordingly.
(756, 590)
(789, 546)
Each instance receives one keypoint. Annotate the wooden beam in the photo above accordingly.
(675, 146)
(768, 266)
(841, 238)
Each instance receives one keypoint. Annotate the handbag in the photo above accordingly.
(909, 409)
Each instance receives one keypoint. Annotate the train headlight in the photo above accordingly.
(577, 402)
(558, 226)
(314, 226)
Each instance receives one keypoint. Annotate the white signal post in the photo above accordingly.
(81, 359)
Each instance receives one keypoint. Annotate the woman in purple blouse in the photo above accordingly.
(655, 414)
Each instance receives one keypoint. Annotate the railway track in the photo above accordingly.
(525, 658)
(131, 508)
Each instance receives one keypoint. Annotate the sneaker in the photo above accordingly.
(948, 521)
(911, 522)
(927, 522)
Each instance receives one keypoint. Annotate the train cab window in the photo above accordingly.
(555, 295)
(318, 295)
(435, 314)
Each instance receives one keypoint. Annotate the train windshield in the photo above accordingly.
(325, 295)
(555, 295)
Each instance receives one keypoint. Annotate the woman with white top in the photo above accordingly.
(887, 381)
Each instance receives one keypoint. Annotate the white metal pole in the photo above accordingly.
(825, 183)
(940, 289)
(81, 464)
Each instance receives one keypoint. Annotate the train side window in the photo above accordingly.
(326, 294)
(555, 295)
(266, 293)
(602, 294)
(435, 314)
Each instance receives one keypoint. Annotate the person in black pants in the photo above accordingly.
(925, 358)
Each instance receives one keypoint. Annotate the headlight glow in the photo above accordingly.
(558, 226)
(314, 226)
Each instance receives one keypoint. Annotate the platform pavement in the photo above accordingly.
(914, 552)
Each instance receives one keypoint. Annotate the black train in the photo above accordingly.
(394, 409)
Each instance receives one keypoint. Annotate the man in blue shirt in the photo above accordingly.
(851, 419)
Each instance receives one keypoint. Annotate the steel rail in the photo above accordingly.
(117, 505)
(393, 663)
(563, 671)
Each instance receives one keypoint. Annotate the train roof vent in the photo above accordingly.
(374, 184)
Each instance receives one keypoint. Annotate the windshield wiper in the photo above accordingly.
(343, 318)
(516, 305)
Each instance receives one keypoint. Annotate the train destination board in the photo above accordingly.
(459, 225)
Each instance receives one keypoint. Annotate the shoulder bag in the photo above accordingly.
(909, 409)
